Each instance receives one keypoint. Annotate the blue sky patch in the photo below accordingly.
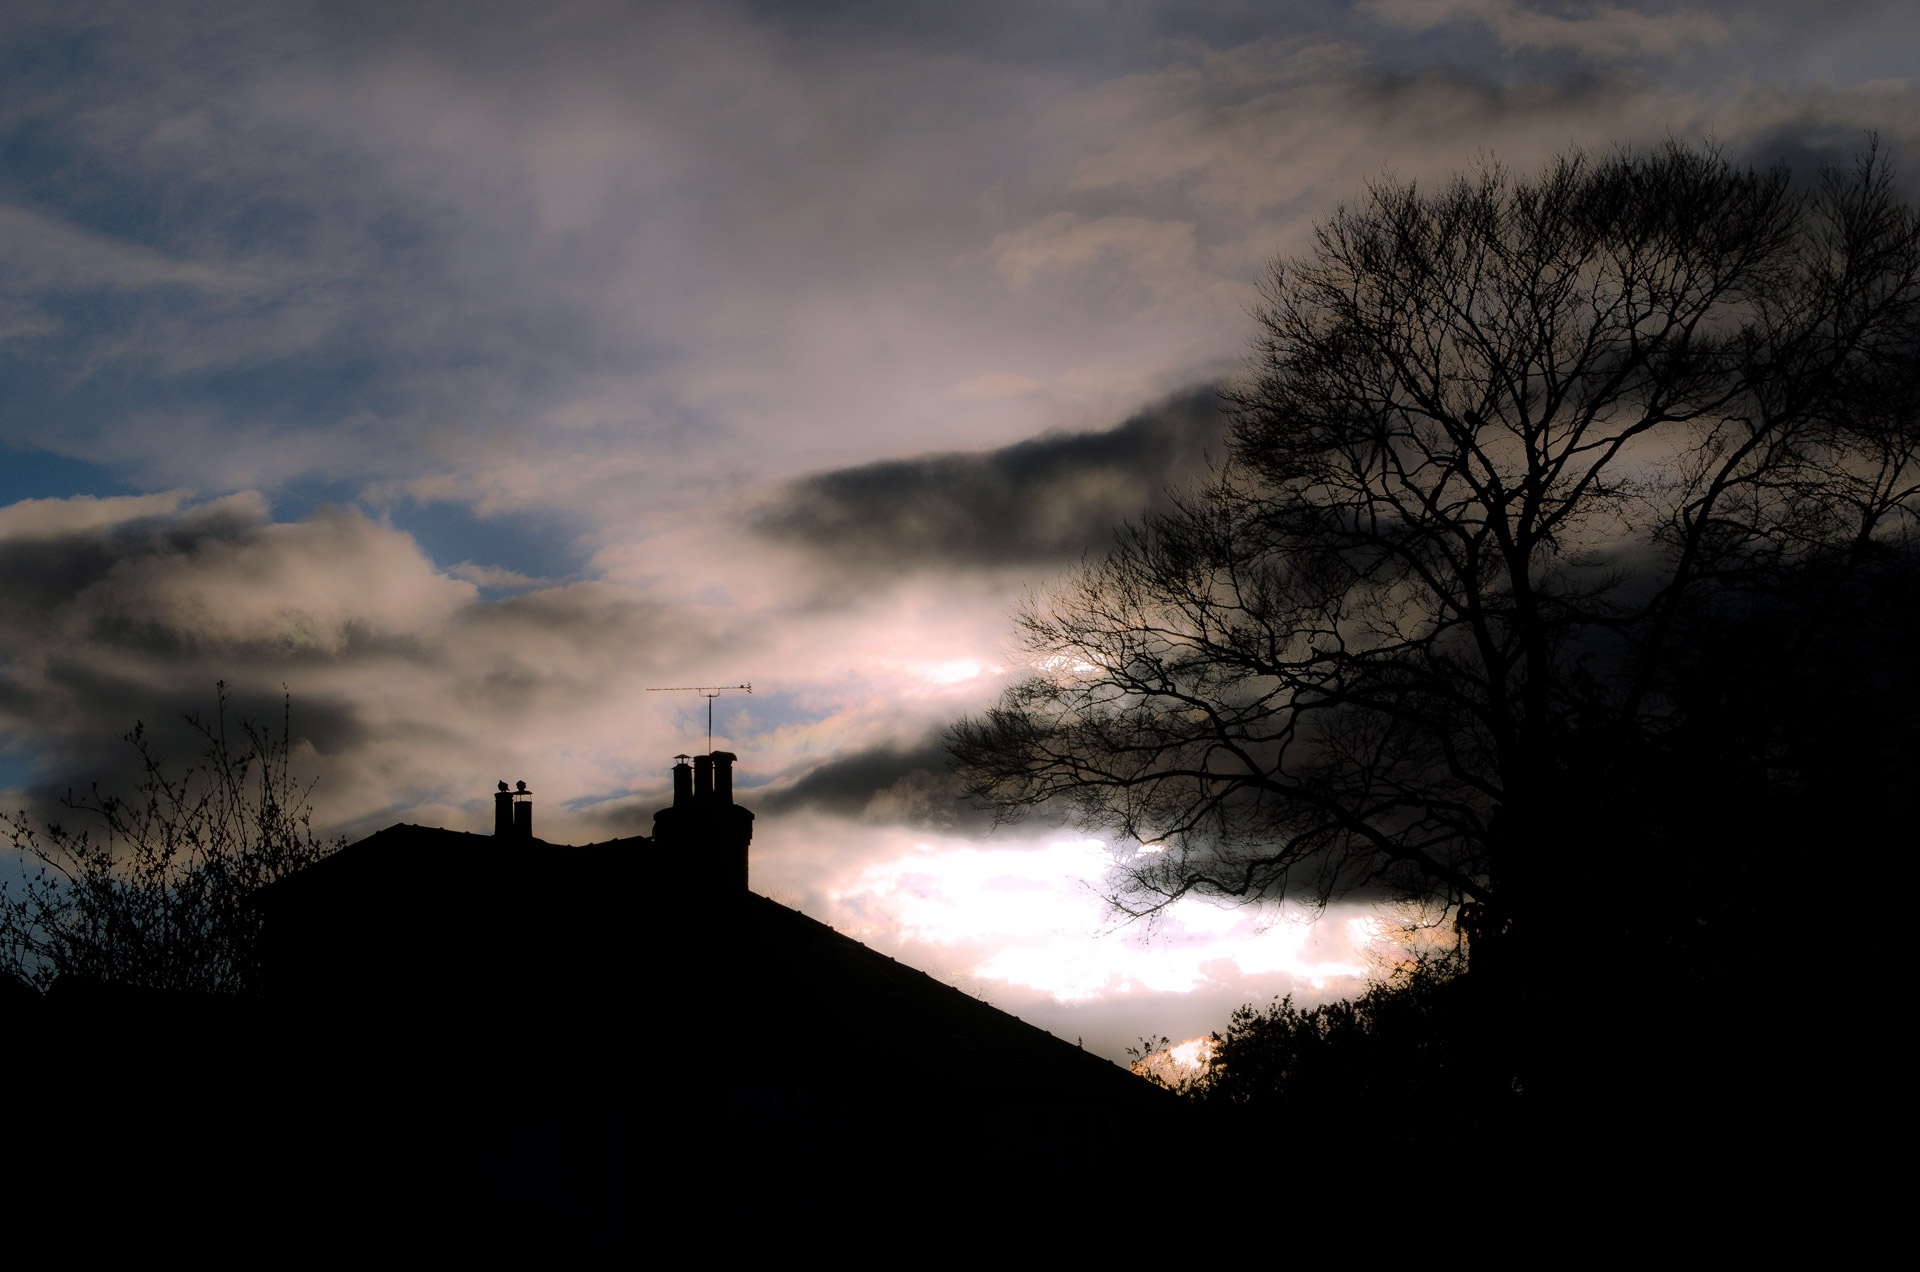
(38, 474)
(537, 544)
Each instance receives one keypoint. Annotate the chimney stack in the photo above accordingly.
(513, 812)
(705, 832)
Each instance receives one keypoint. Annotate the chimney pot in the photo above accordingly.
(702, 777)
(723, 776)
(502, 812)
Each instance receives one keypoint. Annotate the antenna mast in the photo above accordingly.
(709, 692)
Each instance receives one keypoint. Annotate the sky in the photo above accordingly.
(466, 371)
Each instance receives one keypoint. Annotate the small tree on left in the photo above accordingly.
(154, 893)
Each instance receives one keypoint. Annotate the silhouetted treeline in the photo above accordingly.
(1701, 986)
(1357, 1064)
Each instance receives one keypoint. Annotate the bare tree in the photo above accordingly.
(1507, 450)
(155, 894)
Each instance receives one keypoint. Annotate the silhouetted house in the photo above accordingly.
(577, 1016)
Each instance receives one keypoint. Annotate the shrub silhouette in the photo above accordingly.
(155, 894)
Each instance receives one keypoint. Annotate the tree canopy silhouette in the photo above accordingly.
(1528, 473)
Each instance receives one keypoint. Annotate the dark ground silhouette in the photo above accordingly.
(477, 1041)
(485, 1043)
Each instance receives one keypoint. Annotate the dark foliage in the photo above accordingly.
(1406, 1054)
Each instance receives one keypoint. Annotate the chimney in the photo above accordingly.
(513, 812)
(705, 835)
(503, 812)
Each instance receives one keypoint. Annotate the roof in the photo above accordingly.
(598, 941)
(863, 1008)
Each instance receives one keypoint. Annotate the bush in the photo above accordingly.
(1394, 1064)
(155, 895)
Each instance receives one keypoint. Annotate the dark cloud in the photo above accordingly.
(128, 611)
(99, 709)
(1807, 148)
(42, 573)
(1048, 500)
(903, 784)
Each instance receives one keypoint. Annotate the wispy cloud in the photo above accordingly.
(1597, 30)
(39, 251)
(32, 519)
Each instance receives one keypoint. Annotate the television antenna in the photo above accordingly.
(709, 692)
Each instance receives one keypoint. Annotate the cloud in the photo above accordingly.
(318, 585)
(32, 519)
(1158, 254)
(38, 251)
(997, 384)
(424, 689)
(1596, 30)
(896, 784)
(1020, 921)
(612, 252)
(408, 686)
(219, 575)
(1041, 502)
(492, 576)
